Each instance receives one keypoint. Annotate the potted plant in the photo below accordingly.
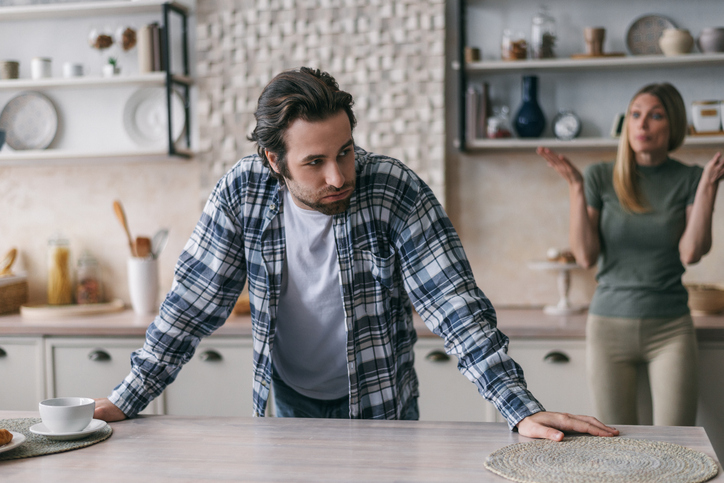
(111, 68)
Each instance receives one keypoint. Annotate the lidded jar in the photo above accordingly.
(60, 288)
(88, 289)
(513, 45)
(542, 35)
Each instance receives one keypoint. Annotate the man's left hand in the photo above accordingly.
(551, 426)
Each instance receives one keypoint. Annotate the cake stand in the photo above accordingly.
(563, 307)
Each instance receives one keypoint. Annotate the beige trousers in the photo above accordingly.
(667, 347)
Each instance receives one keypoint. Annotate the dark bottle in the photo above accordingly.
(529, 121)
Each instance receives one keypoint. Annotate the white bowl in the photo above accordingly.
(67, 414)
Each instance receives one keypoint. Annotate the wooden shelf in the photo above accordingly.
(152, 79)
(46, 157)
(602, 63)
(84, 9)
(518, 144)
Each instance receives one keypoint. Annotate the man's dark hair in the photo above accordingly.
(307, 94)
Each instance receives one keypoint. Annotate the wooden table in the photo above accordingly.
(174, 448)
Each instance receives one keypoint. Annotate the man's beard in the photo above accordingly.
(330, 208)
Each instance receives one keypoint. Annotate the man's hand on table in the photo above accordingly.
(107, 411)
(550, 425)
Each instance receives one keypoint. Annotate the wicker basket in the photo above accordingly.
(705, 298)
(13, 293)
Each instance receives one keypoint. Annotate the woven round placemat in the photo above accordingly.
(36, 445)
(589, 459)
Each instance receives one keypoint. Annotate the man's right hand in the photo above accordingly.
(107, 411)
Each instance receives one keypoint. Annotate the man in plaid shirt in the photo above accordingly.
(337, 245)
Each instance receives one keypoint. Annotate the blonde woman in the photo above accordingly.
(642, 218)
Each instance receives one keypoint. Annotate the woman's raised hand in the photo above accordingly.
(561, 164)
(714, 170)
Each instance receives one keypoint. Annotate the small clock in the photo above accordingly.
(566, 125)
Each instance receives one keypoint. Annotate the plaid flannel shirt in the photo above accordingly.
(395, 244)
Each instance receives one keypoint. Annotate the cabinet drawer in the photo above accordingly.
(21, 373)
(89, 367)
(555, 372)
(445, 394)
(217, 381)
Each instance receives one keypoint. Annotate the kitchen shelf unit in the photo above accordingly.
(167, 78)
(153, 79)
(562, 65)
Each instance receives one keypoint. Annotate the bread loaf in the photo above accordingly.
(5, 436)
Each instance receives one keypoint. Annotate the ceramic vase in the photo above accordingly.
(529, 120)
(711, 40)
(676, 42)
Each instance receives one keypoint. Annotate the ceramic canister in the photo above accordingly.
(711, 39)
(40, 68)
(706, 116)
(676, 42)
(9, 69)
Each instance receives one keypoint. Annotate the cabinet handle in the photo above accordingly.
(210, 355)
(555, 357)
(437, 356)
(2, 352)
(99, 355)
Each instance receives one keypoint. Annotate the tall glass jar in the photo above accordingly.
(60, 288)
(88, 289)
(542, 35)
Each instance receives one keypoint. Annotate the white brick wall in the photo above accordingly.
(387, 53)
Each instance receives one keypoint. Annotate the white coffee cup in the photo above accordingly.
(71, 69)
(67, 414)
(143, 284)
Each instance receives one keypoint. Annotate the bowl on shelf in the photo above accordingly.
(705, 298)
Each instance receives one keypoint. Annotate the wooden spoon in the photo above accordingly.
(7, 262)
(143, 246)
(121, 215)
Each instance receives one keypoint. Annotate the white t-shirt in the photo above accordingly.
(310, 345)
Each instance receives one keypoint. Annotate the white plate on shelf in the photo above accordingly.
(18, 439)
(642, 37)
(30, 121)
(145, 116)
(95, 425)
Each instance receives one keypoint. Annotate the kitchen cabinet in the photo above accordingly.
(92, 110)
(711, 393)
(89, 367)
(217, 381)
(22, 375)
(597, 89)
(555, 371)
(445, 394)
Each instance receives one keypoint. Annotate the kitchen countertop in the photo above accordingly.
(515, 323)
(176, 448)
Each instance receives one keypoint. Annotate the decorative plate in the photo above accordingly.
(30, 121)
(145, 116)
(642, 37)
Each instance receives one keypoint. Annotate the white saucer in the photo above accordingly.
(18, 439)
(95, 425)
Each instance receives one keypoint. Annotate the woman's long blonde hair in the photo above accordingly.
(625, 180)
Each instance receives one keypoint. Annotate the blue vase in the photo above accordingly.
(529, 121)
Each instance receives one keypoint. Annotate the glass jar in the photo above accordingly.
(513, 45)
(542, 35)
(60, 288)
(88, 289)
(499, 124)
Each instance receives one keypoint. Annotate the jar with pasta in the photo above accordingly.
(60, 287)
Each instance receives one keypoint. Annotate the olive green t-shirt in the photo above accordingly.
(639, 269)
